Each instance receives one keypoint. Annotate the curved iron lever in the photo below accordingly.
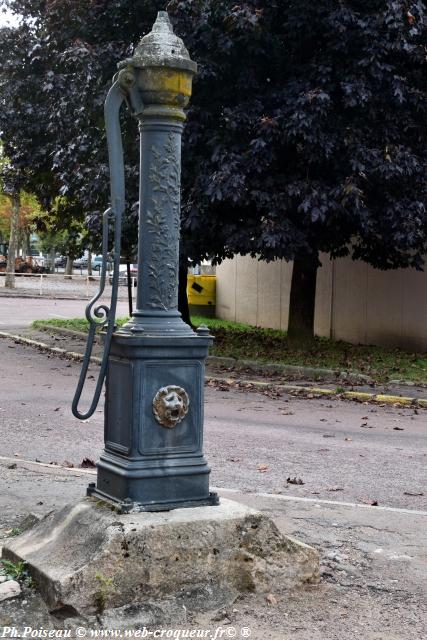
(101, 315)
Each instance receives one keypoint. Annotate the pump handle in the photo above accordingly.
(102, 316)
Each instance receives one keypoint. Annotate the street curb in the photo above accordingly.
(72, 355)
(40, 297)
(315, 373)
(63, 331)
(324, 375)
(358, 396)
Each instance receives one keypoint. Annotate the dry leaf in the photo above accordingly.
(335, 489)
(348, 439)
(271, 599)
(294, 481)
(234, 459)
(87, 463)
(262, 468)
(398, 429)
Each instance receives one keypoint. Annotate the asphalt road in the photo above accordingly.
(339, 450)
(20, 312)
(373, 561)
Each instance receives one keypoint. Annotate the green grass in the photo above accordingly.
(269, 345)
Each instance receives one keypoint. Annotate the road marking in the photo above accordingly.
(276, 496)
(273, 496)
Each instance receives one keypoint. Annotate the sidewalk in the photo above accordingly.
(374, 567)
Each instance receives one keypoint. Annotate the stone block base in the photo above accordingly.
(87, 558)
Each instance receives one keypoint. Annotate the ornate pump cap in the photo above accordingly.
(161, 48)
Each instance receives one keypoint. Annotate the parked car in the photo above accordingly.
(97, 263)
(80, 263)
(123, 280)
(60, 261)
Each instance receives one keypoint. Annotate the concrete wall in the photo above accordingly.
(354, 302)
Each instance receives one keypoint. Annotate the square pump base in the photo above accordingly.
(153, 458)
(200, 558)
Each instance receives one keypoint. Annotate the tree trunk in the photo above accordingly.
(51, 264)
(13, 242)
(129, 286)
(69, 267)
(24, 243)
(89, 263)
(303, 296)
(182, 292)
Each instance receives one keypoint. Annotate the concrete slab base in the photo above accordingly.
(86, 558)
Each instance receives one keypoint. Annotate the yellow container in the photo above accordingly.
(201, 293)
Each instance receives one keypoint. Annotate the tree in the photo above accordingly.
(13, 241)
(304, 135)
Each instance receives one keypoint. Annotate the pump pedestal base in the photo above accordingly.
(153, 458)
(87, 558)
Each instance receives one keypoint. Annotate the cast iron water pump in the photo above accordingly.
(154, 364)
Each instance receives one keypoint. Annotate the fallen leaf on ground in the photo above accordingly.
(262, 468)
(398, 429)
(87, 463)
(234, 459)
(409, 493)
(348, 439)
(294, 481)
(335, 489)
(271, 599)
(57, 409)
(67, 463)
